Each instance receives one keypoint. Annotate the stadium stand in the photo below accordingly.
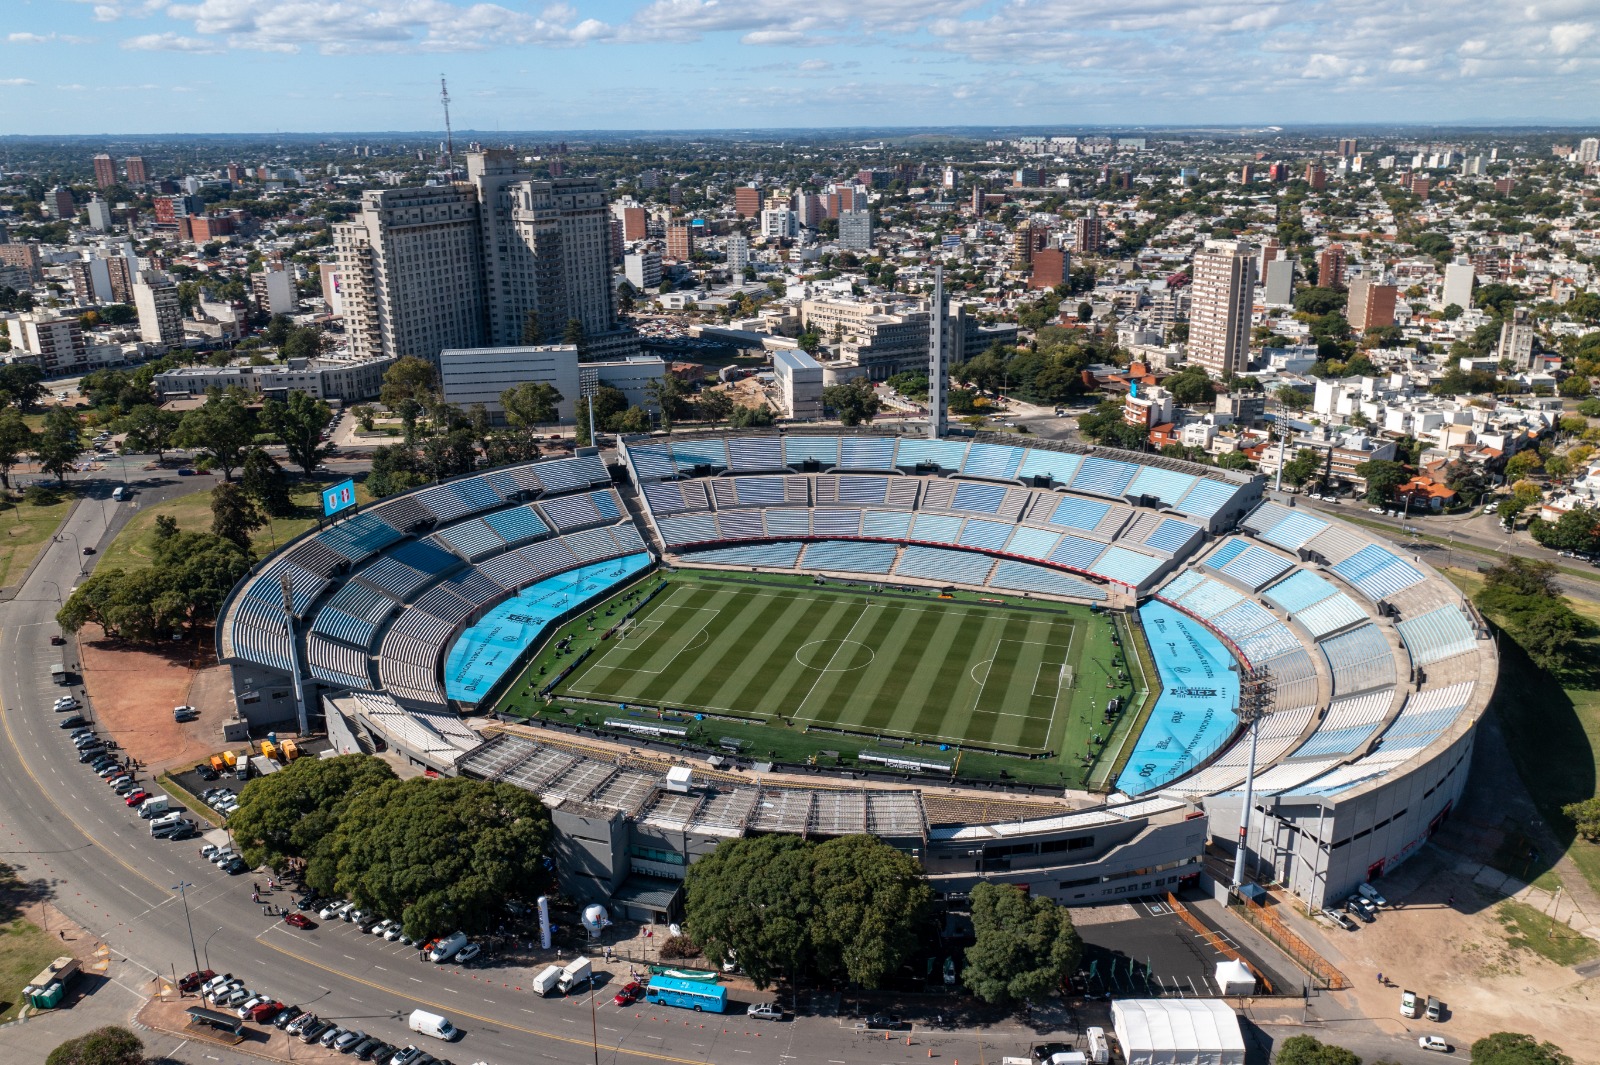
(1437, 635)
(850, 558)
(1359, 659)
(938, 564)
(767, 556)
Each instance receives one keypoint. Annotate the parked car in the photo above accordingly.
(263, 1012)
(234, 866)
(630, 993)
(135, 797)
(368, 922)
(345, 1042)
(1370, 893)
(1340, 919)
(467, 953)
(313, 1032)
(204, 771)
(286, 1017)
(887, 1021)
(191, 983)
(394, 931)
(75, 721)
(764, 1011)
(333, 1035)
(209, 851)
(298, 920)
(331, 910)
(301, 1023)
(1351, 906)
(1434, 1042)
(378, 1051)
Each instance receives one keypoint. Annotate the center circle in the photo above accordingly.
(834, 656)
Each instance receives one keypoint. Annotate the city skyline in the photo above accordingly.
(147, 66)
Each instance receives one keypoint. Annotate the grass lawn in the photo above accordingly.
(784, 669)
(1527, 927)
(1553, 732)
(25, 949)
(24, 530)
(134, 546)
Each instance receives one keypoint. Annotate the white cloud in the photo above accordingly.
(1568, 37)
(16, 81)
(44, 38)
(171, 42)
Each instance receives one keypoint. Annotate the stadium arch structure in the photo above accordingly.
(1379, 669)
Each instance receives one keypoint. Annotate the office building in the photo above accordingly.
(55, 344)
(99, 214)
(479, 375)
(738, 255)
(1371, 305)
(155, 297)
(323, 377)
(855, 230)
(799, 380)
(680, 242)
(1516, 339)
(473, 263)
(1050, 268)
(1459, 280)
(1280, 282)
(1089, 237)
(643, 270)
(137, 175)
(1220, 305)
(105, 171)
(1330, 266)
(273, 288)
(747, 201)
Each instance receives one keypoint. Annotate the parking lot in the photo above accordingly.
(1144, 948)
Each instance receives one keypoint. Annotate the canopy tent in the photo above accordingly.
(1235, 978)
(1177, 1032)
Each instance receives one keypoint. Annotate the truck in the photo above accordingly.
(1099, 1046)
(433, 1024)
(547, 981)
(155, 804)
(578, 971)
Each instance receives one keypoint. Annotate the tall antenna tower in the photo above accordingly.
(449, 137)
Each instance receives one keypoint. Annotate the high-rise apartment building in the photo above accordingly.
(105, 171)
(1459, 279)
(855, 230)
(1026, 240)
(1220, 305)
(59, 204)
(1316, 177)
(779, 223)
(1347, 148)
(273, 289)
(476, 263)
(235, 174)
(1330, 266)
(56, 343)
(155, 297)
(738, 256)
(102, 277)
(1050, 268)
(99, 214)
(1516, 339)
(1089, 238)
(1279, 282)
(1589, 150)
(643, 270)
(137, 174)
(747, 201)
(635, 223)
(680, 242)
(1371, 304)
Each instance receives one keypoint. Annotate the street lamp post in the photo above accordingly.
(205, 948)
(180, 888)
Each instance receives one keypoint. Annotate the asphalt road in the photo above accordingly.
(94, 860)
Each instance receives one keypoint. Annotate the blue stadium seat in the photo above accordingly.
(1059, 466)
(769, 556)
(518, 524)
(938, 564)
(1075, 513)
(992, 460)
(1021, 577)
(844, 557)
(1104, 477)
(1438, 634)
(823, 450)
(1127, 567)
(1168, 486)
(866, 453)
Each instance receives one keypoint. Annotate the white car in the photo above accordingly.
(331, 909)
(1433, 1042)
(1374, 510)
(395, 931)
(468, 952)
(249, 1004)
(380, 928)
(1370, 893)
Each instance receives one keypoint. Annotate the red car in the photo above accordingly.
(266, 1011)
(298, 920)
(629, 994)
(192, 982)
(136, 796)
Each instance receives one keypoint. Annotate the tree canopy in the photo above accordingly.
(1516, 1048)
(222, 427)
(291, 813)
(111, 1045)
(1383, 476)
(1521, 595)
(298, 423)
(1309, 1050)
(1026, 945)
(438, 855)
(187, 581)
(59, 443)
(751, 898)
(853, 402)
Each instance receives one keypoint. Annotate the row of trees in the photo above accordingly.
(182, 589)
(854, 908)
(1521, 596)
(437, 855)
(1501, 1048)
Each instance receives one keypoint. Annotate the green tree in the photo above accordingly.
(1515, 1048)
(290, 814)
(23, 383)
(752, 898)
(440, 855)
(59, 443)
(16, 440)
(223, 428)
(756, 417)
(810, 341)
(1575, 386)
(1383, 476)
(1521, 595)
(188, 579)
(853, 402)
(410, 378)
(264, 481)
(1304, 466)
(303, 342)
(103, 1046)
(574, 334)
(713, 405)
(1585, 817)
(1576, 530)
(1292, 398)
(1025, 945)
(532, 331)
(1191, 386)
(149, 428)
(1309, 1050)
(395, 469)
(1523, 463)
(527, 407)
(298, 423)
(234, 515)
(1318, 300)
(872, 905)
(670, 398)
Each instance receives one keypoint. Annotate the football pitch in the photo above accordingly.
(958, 673)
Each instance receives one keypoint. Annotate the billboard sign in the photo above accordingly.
(340, 497)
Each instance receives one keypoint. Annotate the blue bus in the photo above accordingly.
(694, 995)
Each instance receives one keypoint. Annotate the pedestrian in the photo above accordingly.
(255, 896)
(62, 934)
(1452, 901)
(1381, 980)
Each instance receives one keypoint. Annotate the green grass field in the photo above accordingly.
(775, 662)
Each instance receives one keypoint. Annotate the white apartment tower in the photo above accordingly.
(464, 266)
(1220, 303)
(738, 256)
(155, 297)
(855, 230)
(1589, 150)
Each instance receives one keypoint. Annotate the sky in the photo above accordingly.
(155, 66)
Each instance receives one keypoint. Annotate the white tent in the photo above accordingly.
(1177, 1032)
(1235, 978)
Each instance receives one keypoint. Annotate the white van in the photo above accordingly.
(165, 821)
(433, 1024)
(118, 494)
(446, 948)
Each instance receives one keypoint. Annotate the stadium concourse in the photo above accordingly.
(1374, 670)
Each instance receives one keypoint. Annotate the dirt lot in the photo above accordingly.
(1462, 953)
(132, 692)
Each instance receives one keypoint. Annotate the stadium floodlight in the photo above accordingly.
(1256, 692)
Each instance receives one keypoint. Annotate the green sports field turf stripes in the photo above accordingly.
(959, 673)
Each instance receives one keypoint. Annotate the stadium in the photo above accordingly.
(857, 632)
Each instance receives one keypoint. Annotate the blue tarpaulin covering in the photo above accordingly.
(482, 654)
(1199, 694)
